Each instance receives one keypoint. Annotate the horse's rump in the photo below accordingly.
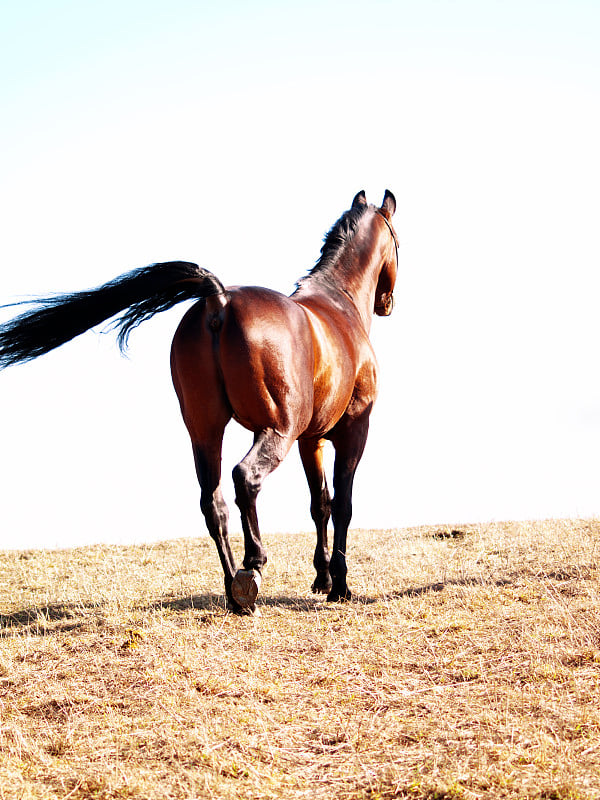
(258, 357)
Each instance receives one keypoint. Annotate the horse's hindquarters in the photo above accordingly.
(265, 356)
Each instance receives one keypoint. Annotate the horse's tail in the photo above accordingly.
(138, 295)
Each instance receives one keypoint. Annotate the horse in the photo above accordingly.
(287, 368)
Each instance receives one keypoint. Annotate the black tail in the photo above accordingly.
(138, 294)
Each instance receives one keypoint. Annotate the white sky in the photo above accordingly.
(234, 135)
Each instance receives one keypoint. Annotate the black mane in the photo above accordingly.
(340, 234)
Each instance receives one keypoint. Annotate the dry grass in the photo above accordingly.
(467, 667)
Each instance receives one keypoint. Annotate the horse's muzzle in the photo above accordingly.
(386, 305)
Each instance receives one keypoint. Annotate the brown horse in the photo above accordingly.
(298, 368)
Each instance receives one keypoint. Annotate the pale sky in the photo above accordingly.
(234, 135)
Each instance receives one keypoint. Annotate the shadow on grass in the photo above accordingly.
(212, 602)
(566, 573)
(82, 616)
(290, 602)
(38, 619)
(318, 603)
(197, 602)
(439, 586)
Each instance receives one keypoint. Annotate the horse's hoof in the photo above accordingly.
(245, 586)
(336, 596)
(322, 584)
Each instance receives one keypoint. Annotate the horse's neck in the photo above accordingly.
(357, 274)
(343, 284)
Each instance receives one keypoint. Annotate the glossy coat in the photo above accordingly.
(298, 368)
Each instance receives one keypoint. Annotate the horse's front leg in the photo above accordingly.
(349, 438)
(311, 453)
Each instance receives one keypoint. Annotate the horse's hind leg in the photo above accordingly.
(207, 458)
(267, 452)
(311, 453)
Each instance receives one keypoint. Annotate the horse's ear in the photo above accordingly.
(389, 202)
(360, 199)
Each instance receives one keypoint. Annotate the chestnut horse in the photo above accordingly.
(298, 368)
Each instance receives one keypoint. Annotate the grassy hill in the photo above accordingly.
(468, 666)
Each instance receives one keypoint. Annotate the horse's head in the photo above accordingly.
(384, 293)
(360, 258)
